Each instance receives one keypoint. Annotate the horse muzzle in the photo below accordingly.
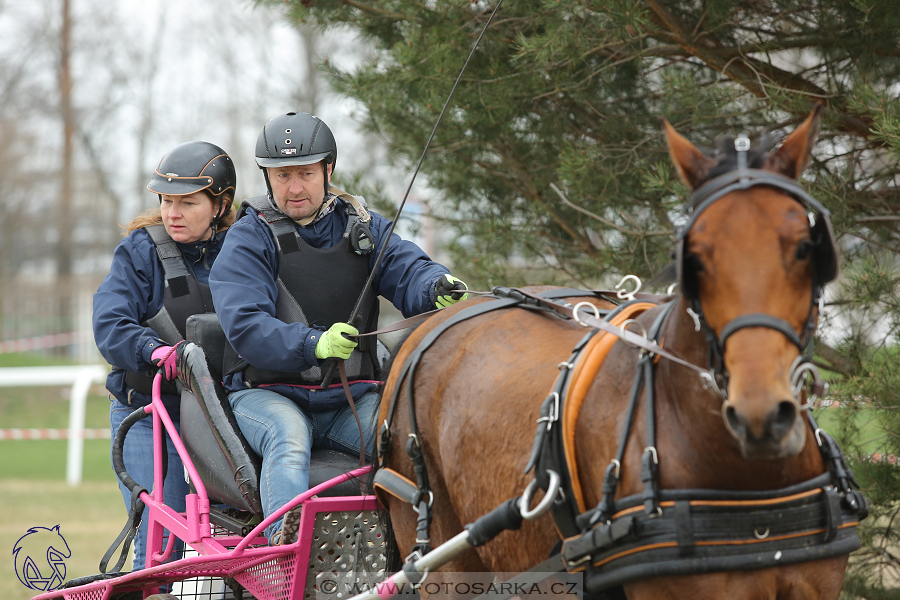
(767, 423)
(778, 433)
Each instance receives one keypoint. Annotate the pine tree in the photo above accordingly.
(570, 94)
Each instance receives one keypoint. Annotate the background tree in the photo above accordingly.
(571, 94)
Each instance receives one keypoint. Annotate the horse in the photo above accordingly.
(751, 256)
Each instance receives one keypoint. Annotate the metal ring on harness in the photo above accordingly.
(799, 370)
(761, 536)
(544, 505)
(671, 289)
(588, 304)
(430, 502)
(625, 324)
(622, 294)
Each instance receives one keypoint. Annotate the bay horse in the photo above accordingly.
(479, 387)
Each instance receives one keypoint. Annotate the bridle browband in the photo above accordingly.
(824, 263)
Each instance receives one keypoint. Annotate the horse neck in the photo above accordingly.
(705, 453)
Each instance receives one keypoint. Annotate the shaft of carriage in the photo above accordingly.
(508, 515)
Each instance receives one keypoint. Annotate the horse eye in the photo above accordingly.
(804, 249)
(693, 263)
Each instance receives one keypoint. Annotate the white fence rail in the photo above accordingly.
(80, 378)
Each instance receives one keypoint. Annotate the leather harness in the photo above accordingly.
(657, 532)
(664, 532)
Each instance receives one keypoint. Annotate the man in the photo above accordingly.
(284, 286)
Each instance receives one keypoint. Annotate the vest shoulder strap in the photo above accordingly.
(174, 270)
(355, 205)
(282, 227)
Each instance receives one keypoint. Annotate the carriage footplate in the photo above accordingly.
(348, 553)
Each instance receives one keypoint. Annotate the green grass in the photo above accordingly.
(46, 460)
(867, 421)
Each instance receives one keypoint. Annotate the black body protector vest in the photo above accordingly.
(318, 287)
(184, 296)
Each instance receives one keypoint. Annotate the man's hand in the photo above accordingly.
(166, 358)
(333, 344)
(449, 290)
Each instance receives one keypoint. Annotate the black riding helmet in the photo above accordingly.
(295, 139)
(194, 167)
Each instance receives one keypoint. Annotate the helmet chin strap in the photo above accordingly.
(220, 212)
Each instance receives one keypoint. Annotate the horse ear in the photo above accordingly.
(796, 151)
(691, 164)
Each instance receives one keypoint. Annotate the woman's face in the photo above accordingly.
(187, 218)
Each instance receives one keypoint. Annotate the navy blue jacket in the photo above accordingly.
(243, 284)
(131, 294)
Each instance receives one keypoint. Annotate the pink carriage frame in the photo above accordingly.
(268, 572)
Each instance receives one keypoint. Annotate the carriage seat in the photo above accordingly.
(229, 468)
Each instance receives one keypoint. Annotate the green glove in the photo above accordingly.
(333, 344)
(449, 290)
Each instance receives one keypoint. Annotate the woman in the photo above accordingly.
(158, 279)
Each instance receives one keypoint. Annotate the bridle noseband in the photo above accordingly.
(824, 262)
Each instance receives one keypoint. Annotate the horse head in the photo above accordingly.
(753, 258)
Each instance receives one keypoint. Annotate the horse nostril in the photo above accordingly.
(781, 420)
(735, 421)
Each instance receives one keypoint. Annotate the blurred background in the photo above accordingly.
(92, 94)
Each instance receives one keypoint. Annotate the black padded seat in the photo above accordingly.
(228, 467)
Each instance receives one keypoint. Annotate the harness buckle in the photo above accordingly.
(430, 502)
(554, 412)
(413, 556)
(615, 462)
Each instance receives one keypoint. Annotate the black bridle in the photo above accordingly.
(824, 264)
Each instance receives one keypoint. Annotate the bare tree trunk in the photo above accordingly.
(308, 95)
(147, 108)
(65, 226)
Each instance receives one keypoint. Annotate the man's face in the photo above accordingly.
(298, 190)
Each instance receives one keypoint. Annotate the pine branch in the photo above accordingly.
(371, 10)
(753, 74)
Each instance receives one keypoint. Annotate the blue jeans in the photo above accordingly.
(138, 457)
(283, 435)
